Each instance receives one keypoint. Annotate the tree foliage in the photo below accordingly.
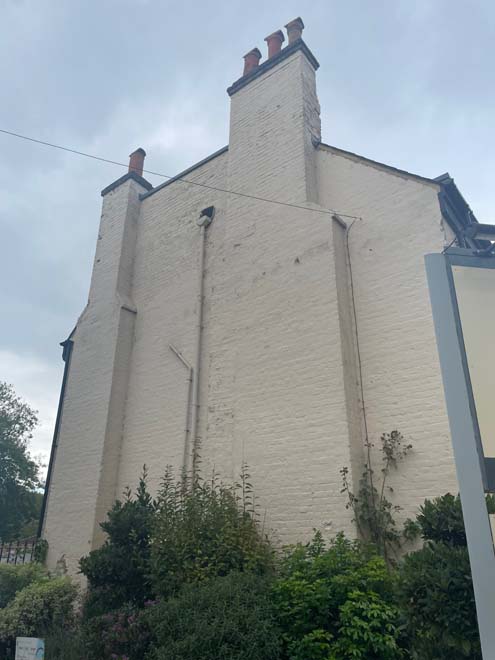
(19, 472)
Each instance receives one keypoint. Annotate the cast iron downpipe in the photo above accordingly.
(204, 222)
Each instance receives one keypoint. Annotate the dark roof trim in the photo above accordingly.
(273, 61)
(67, 346)
(185, 172)
(130, 175)
(457, 212)
(375, 163)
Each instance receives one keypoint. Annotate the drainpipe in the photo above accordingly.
(187, 428)
(204, 221)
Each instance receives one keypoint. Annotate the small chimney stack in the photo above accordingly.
(294, 29)
(251, 60)
(136, 161)
(274, 42)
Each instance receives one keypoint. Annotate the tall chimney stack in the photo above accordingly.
(136, 161)
(274, 42)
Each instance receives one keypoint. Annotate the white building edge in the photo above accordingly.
(273, 335)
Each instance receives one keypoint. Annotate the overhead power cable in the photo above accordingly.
(179, 179)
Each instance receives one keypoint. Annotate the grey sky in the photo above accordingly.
(407, 83)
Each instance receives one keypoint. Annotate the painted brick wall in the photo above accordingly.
(279, 377)
(84, 477)
(400, 223)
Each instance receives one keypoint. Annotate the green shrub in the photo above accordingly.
(205, 529)
(441, 519)
(368, 629)
(438, 602)
(63, 645)
(224, 618)
(39, 607)
(123, 633)
(313, 593)
(118, 571)
(14, 578)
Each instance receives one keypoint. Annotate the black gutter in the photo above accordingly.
(66, 355)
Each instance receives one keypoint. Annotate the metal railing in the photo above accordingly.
(20, 551)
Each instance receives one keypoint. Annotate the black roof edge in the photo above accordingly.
(299, 44)
(66, 354)
(129, 175)
(184, 172)
(457, 212)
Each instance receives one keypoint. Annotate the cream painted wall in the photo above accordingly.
(399, 223)
(279, 384)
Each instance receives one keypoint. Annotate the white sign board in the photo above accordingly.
(462, 292)
(475, 293)
(29, 648)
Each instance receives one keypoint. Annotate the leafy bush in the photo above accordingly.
(123, 633)
(59, 645)
(438, 602)
(368, 629)
(205, 529)
(39, 607)
(118, 571)
(374, 514)
(223, 618)
(441, 520)
(14, 578)
(315, 597)
(436, 587)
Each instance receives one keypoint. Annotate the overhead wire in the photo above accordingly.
(178, 178)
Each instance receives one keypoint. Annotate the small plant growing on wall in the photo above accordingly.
(373, 511)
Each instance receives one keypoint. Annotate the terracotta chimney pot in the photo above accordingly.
(274, 42)
(136, 161)
(251, 60)
(294, 29)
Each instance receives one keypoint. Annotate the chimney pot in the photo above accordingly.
(136, 161)
(294, 29)
(274, 42)
(251, 60)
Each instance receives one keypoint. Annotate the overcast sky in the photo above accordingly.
(408, 83)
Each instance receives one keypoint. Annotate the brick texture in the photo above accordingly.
(279, 386)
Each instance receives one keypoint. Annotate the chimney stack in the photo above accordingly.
(274, 42)
(251, 60)
(136, 161)
(294, 29)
